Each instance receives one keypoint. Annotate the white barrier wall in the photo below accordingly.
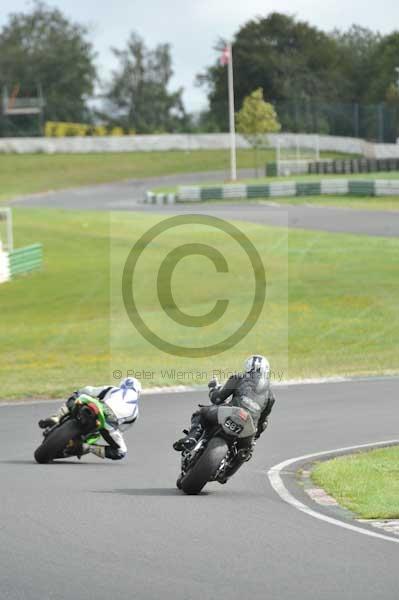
(128, 143)
(326, 143)
(4, 265)
(187, 142)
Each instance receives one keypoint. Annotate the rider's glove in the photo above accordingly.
(71, 400)
(213, 384)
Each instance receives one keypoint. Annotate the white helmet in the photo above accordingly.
(257, 364)
(131, 383)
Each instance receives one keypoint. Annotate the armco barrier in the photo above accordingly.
(325, 187)
(25, 260)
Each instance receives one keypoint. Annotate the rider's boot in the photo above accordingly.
(190, 439)
(81, 449)
(54, 419)
(98, 451)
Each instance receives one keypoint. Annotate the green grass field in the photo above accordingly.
(331, 304)
(33, 173)
(366, 483)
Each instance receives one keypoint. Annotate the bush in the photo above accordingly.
(63, 129)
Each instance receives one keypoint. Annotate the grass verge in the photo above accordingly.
(33, 173)
(366, 483)
(382, 203)
(390, 203)
(331, 304)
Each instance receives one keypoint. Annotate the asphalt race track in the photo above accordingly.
(127, 196)
(97, 529)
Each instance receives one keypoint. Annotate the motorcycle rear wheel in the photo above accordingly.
(205, 467)
(56, 441)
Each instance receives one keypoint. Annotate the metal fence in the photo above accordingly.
(374, 122)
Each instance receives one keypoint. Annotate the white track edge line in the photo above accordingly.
(274, 475)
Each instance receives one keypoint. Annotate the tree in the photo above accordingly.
(356, 48)
(289, 59)
(392, 94)
(382, 67)
(138, 92)
(255, 120)
(44, 48)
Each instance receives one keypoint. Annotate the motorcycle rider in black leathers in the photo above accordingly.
(249, 390)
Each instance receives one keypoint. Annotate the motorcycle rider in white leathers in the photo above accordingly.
(121, 409)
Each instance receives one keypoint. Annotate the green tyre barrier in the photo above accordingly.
(26, 260)
(361, 188)
(308, 189)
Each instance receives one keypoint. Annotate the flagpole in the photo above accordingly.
(233, 160)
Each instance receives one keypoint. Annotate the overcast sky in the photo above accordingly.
(193, 26)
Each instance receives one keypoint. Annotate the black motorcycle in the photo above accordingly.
(217, 455)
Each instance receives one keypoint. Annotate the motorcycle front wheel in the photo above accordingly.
(205, 467)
